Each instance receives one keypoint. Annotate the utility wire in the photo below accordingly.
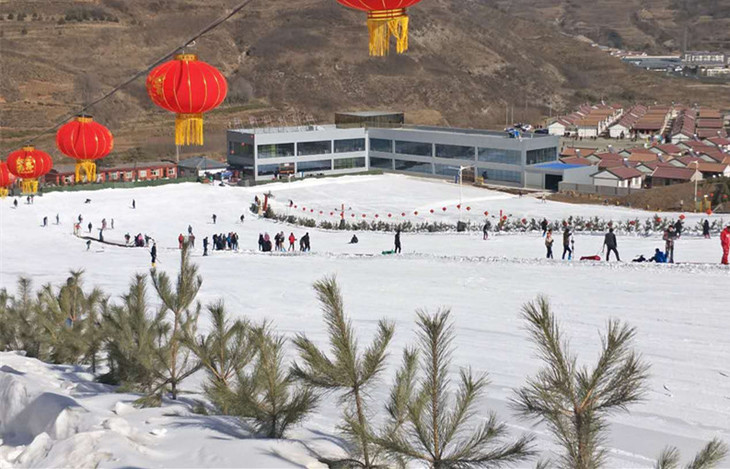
(134, 77)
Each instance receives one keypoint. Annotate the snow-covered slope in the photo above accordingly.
(681, 313)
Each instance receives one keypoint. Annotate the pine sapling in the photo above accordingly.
(575, 401)
(175, 361)
(349, 371)
(430, 427)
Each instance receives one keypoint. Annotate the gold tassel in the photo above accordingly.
(29, 186)
(3, 192)
(89, 168)
(383, 24)
(189, 129)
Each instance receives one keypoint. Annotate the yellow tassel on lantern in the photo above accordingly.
(3, 192)
(385, 23)
(29, 186)
(89, 168)
(189, 129)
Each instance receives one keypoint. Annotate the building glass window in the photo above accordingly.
(240, 149)
(413, 148)
(280, 150)
(381, 163)
(314, 166)
(543, 155)
(348, 163)
(413, 166)
(497, 155)
(349, 145)
(382, 145)
(455, 151)
(501, 175)
(446, 170)
(268, 169)
(314, 148)
(142, 173)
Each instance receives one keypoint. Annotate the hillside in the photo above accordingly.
(652, 25)
(468, 62)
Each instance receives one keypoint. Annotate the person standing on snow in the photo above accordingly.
(88, 244)
(205, 246)
(549, 244)
(214, 218)
(609, 242)
(397, 241)
(485, 230)
(669, 236)
(725, 243)
(292, 240)
(89, 225)
(153, 253)
(112, 223)
(190, 229)
(544, 226)
(45, 221)
(706, 229)
(58, 220)
(242, 218)
(15, 203)
(567, 237)
(191, 239)
(134, 204)
(180, 240)
(261, 242)
(678, 227)
(103, 223)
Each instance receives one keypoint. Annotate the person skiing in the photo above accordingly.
(567, 238)
(214, 218)
(725, 243)
(397, 241)
(15, 203)
(485, 230)
(45, 221)
(190, 229)
(292, 240)
(205, 246)
(88, 244)
(89, 225)
(549, 243)
(101, 235)
(58, 220)
(134, 204)
(81, 219)
(609, 242)
(180, 240)
(706, 229)
(153, 254)
(544, 226)
(242, 218)
(669, 236)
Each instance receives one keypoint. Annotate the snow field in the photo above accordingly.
(680, 312)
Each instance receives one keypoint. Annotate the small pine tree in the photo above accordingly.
(350, 371)
(21, 328)
(426, 426)
(709, 457)
(131, 339)
(223, 353)
(269, 394)
(575, 401)
(174, 359)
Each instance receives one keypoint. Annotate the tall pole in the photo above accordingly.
(697, 165)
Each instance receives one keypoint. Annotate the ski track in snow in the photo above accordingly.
(680, 312)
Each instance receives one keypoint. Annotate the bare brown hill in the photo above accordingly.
(468, 62)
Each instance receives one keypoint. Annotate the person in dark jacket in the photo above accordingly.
(214, 218)
(678, 227)
(89, 225)
(485, 230)
(304, 243)
(261, 242)
(397, 242)
(609, 242)
(544, 226)
(153, 253)
(706, 229)
(205, 246)
(566, 244)
(549, 243)
(670, 236)
(659, 257)
(354, 239)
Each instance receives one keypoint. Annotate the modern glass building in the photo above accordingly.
(430, 151)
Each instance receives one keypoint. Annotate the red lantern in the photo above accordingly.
(332, 213)
(385, 18)
(468, 208)
(311, 210)
(376, 215)
(320, 212)
(295, 206)
(415, 213)
(189, 88)
(29, 164)
(389, 215)
(353, 215)
(431, 210)
(443, 208)
(85, 141)
(486, 214)
(524, 221)
(682, 217)
(6, 179)
(404, 214)
(709, 211)
(363, 215)
(458, 206)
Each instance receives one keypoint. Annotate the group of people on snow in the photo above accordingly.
(280, 240)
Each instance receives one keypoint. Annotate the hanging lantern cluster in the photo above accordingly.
(189, 88)
(85, 141)
(386, 18)
(28, 164)
(6, 179)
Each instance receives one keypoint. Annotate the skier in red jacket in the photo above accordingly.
(292, 240)
(180, 240)
(725, 241)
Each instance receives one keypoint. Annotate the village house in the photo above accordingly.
(666, 176)
(619, 177)
(64, 174)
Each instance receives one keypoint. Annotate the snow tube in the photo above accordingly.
(590, 258)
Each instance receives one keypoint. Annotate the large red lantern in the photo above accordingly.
(385, 18)
(85, 141)
(29, 164)
(189, 88)
(6, 179)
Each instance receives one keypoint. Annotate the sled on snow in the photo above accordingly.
(387, 253)
(590, 258)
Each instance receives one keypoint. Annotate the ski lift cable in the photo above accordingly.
(134, 77)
